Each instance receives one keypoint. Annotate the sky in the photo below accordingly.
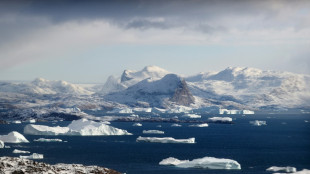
(87, 41)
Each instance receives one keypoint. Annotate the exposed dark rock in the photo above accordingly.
(182, 95)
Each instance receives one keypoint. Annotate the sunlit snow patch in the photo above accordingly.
(165, 140)
(206, 162)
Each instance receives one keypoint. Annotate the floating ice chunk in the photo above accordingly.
(17, 122)
(287, 169)
(199, 125)
(31, 121)
(192, 116)
(13, 137)
(220, 119)
(137, 124)
(258, 123)
(82, 127)
(153, 132)
(165, 140)
(1, 144)
(206, 162)
(20, 151)
(176, 125)
(304, 171)
(47, 140)
(158, 126)
(33, 156)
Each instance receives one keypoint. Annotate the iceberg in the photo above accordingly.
(20, 151)
(199, 125)
(220, 119)
(17, 122)
(206, 163)
(1, 144)
(137, 124)
(158, 126)
(258, 123)
(33, 156)
(165, 140)
(13, 137)
(192, 116)
(82, 127)
(47, 140)
(153, 132)
(176, 125)
(244, 112)
(287, 169)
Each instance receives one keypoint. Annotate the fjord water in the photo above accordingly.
(285, 141)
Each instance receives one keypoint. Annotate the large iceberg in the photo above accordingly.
(33, 156)
(47, 140)
(13, 137)
(220, 119)
(165, 140)
(82, 127)
(20, 151)
(199, 125)
(206, 162)
(287, 169)
(258, 123)
(153, 132)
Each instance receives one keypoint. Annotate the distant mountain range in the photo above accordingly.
(233, 88)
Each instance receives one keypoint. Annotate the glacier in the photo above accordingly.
(13, 137)
(19, 151)
(205, 162)
(165, 140)
(153, 132)
(287, 169)
(82, 127)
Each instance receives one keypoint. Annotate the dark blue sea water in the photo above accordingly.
(285, 141)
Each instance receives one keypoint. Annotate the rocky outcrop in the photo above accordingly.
(21, 166)
(182, 95)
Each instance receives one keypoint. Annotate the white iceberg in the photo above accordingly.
(304, 171)
(192, 116)
(199, 125)
(220, 119)
(20, 151)
(31, 121)
(165, 140)
(47, 140)
(258, 123)
(287, 169)
(206, 162)
(158, 126)
(137, 124)
(13, 137)
(17, 122)
(82, 127)
(33, 156)
(1, 144)
(153, 132)
(176, 125)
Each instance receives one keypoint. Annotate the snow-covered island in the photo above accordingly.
(82, 127)
(165, 140)
(206, 163)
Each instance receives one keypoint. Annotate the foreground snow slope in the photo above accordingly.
(82, 127)
(206, 162)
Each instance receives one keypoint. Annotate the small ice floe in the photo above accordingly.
(47, 140)
(206, 163)
(192, 116)
(306, 121)
(199, 125)
(258, 123)
(165, 140)
(30, 121)
(16, 122)
(13, 137)
(33, 156)
(158, 126)
(137, 124)
(220, 119)
(287, 169)
(176, 125)
(153, 132)
(20, 151)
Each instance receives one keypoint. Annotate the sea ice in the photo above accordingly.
(137, 124)
(192, 116)
(13, 137)
(48, 140)
(165, 140)
(199, 125)
(153, 132)
(176, 125)
(82, 127)
(33, 156)
(287, 169)
(206, 162)
(258, 123)
(20, 151)
(220, 119)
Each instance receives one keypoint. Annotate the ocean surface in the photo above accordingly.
(285, 141)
